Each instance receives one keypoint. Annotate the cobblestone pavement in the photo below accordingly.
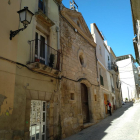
(124, 124)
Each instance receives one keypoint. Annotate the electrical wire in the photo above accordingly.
(127, 84)
(127, 78)
(27, 67)
(38, 72)
(126, 65)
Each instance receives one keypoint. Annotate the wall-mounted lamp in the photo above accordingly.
(25, 17)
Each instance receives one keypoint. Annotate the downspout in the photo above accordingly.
(59, 82)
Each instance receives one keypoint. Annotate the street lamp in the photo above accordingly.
(25, 17)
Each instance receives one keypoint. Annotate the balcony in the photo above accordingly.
(112, 67)
(44, 58)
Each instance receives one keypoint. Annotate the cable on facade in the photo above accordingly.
(38, 72)
(27, 67)
(127, 84)
(78, 80)
(126, 65)
(126, 71)
(127, 78)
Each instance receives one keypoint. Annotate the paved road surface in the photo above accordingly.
(124, 124)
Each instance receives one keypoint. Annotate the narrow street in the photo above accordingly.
(124, 124)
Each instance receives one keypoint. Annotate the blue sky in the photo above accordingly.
(113, 18)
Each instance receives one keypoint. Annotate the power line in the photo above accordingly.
(127, 84)
(127, 78)
(126, 65)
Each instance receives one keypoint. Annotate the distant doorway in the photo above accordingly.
(84, 100)
(105, 102)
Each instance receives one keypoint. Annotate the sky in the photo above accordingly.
(114, 20)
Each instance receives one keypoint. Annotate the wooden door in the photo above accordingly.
(85, 108)
(105, 102)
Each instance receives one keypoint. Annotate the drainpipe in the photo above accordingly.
(58, 38)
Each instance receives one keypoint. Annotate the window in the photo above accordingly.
(100, 50)
(81, 59)
(41, 5)
(40, 48)
(95, 98)
(101, 77)
(72, 96)
(108, 58)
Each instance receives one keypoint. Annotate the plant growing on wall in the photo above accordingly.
(52, 57)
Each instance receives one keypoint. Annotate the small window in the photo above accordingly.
(72, 96)
(81, 59)
(95, 98)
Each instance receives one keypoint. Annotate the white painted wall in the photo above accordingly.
(127, 78)
(100, 43)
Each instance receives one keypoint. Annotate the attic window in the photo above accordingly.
(78, 23)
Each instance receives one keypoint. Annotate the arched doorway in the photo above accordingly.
(85, 104)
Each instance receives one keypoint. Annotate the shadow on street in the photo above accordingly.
(97, 131)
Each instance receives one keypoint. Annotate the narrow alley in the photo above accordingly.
(124, 124)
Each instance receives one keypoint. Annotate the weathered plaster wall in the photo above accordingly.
(8, 49)
(18, 85)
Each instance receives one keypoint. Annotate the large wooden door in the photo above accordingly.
(85, 107)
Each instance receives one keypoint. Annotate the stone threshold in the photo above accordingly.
(88, 125)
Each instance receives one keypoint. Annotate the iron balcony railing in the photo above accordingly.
(44, 54)
(112, 66)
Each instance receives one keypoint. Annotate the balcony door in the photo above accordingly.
(40, 48)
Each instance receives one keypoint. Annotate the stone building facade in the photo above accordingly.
(80, 97)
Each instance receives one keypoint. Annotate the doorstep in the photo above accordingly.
(88, 125)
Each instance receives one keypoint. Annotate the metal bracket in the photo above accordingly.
(13, 33)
